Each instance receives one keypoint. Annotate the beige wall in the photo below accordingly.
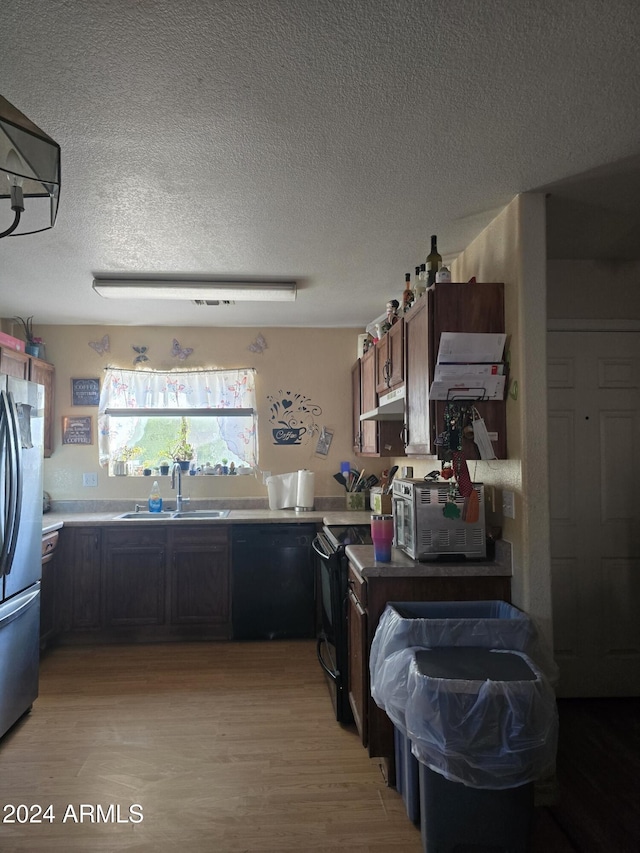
(512, 249)
(313, 362)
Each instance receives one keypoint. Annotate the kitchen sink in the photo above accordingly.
(169, 516)
(202, 513)
(144, 516)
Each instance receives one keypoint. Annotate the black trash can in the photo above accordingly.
(406, 625)
(483, 726)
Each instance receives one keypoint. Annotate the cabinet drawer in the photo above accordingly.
(49, 543)
(199, 534)
(358, 586)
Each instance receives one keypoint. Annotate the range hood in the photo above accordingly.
(390, 407)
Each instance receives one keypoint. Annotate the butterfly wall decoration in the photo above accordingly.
(141, 354)
(259, 345)
(100, 346)
(180, 352)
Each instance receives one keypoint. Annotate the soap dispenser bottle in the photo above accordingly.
(155, 501)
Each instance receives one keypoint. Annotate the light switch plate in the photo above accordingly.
(90, 479)
(508, 504)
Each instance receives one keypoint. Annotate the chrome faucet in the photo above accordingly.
(176, 469)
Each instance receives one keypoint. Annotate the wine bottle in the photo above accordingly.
(434, 262)
(407, 295)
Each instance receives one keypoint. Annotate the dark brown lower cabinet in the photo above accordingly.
(49, 605)
(368, 597)
(200, 578)
(144, 583)
(134, 577)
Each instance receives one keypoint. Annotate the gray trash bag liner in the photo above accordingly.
(431, 624)
(485, 734)
(389, 685)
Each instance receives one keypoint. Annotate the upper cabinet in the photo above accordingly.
(14, 363)
(371, 437)
(43, 373)
(390, 359)
(23, 366)
(391, 381)
(470, 308)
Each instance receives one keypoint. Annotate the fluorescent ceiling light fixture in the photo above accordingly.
(189, 289)
(30, 162)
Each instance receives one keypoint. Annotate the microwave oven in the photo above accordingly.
(424, 532)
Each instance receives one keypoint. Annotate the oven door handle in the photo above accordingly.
(330, 672)
(322, 547)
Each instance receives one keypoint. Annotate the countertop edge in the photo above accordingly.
(402, 566)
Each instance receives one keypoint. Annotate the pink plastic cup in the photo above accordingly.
(382, 537)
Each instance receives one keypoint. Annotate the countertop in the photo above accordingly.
(55, 520)
(361, 556)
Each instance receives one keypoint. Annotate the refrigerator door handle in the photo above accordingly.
(13, 481)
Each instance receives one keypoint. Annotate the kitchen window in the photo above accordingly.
(148, 417)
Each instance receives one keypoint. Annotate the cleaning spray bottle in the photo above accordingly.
(155, 501)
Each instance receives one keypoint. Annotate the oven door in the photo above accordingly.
(331, 645)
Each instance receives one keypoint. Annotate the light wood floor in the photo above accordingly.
(233, 748)
(226, 747)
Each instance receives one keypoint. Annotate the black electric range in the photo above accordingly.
(331, 584)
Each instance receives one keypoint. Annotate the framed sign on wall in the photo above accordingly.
(85, 392)
(77, 430)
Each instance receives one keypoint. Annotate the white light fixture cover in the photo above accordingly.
(29, 159)
(186, 289)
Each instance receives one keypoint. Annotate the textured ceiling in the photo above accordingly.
(324, 140)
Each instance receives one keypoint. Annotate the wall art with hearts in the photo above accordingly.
(293, 417)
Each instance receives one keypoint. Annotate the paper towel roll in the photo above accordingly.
(305, 490)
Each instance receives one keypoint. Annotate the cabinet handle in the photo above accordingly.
(386, 372)
(404, 434)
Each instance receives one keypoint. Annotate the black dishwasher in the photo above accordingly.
(272, 581)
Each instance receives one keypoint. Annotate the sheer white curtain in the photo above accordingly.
(177, 392)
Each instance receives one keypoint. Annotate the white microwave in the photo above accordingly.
(424, 532)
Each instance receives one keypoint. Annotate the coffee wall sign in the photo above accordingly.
(85, 392)
(293, 417)
(77, 430)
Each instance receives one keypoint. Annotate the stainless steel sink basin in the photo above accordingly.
(144, 516)
(169, 516)
(202, 513)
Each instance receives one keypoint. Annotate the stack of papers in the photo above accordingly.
(469, 367)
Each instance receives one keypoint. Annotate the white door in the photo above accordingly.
(594, 486)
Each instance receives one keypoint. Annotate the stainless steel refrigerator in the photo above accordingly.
(21, 442)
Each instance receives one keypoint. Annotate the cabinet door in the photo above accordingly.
(377, 438)
(470, 308)
(134, 578)
(14, 363)
(358, 665)
(369, 401)
(200, 588)
(356, 406)
(81, 568)
(394, 346)
(417, 367)
(43, 373)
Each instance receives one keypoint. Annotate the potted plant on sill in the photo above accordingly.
(122, 459)
(182, 452)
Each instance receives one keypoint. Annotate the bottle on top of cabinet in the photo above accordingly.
(408, 295)
(434, 261)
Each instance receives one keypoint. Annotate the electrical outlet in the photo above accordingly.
(508, 504)
(90, 480)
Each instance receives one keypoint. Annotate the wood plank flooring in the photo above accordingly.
(233, 748)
